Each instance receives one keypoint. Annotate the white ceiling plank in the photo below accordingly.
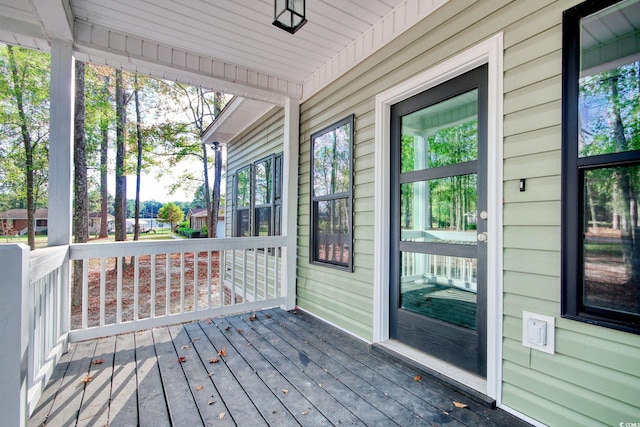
(56, 18)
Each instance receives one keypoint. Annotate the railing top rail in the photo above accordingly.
(155, 247)
(45, 260)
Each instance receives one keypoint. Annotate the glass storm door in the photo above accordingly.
(438, 221)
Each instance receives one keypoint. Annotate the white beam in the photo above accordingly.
(290, 197)
(61, 143)
(149, 57)
(56, 18)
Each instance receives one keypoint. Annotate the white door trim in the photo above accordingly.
(488, 52)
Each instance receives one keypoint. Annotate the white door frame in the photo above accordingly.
(488, 52)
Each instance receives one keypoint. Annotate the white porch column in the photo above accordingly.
(290, 197)
(14, 334)
(61, 143)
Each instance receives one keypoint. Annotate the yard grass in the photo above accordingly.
(41, 240)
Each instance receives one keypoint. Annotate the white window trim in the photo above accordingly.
(488, 52)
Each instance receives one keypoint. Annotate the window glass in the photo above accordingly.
(243, 223)
(448, 134)
(439, 210)
(331, 199)
(264, 182)
(332, 231)
(601, 164)
(243, 187)
(331, 161)
(263, 221)
(611, 252)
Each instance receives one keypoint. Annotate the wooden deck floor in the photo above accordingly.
(280, 369)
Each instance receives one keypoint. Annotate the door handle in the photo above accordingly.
(482, 237)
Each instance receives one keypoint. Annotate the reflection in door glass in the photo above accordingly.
(440, 287)
(442, 134)
(439, 210)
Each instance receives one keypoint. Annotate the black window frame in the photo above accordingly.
(574, 168)
(273, 204)
(347, 195)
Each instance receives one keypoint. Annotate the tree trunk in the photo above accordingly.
(136, 234)
(28, 150)
(121, 194)
(81, 195)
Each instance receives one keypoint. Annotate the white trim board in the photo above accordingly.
(488, 52)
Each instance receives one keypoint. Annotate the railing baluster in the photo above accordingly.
(266, 273)
(152, 297)
(244, 275)
(233, 276)
(255, 274)
(103, 285)
(209, 259)
(136, 287)
(85, 293)
(195, 280)
(277, 291)
(119, 262)
(181, 282)
(168, 287)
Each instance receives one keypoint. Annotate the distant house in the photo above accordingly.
(16, 219)
(197, 218)
(95, 219)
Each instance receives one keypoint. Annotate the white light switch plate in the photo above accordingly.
(538, 331)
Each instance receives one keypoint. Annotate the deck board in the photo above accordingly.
(150, 399)
(95, 403)
(182, 408)
(123, 407)
(279, 369)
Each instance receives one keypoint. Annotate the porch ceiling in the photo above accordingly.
(221, 44)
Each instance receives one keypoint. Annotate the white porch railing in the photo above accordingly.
(33, 325)
(135, 285)
(126, 286)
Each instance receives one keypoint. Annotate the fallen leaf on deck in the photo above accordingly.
(98, 361)
(199, 387)
(221, 416)
(305, 412)
(239, 330)
(86, 379)
(208, 321)
(285, 391)
(227, 328)
(267, 316)
(211, 402)
(459, 405)
(214, 360)
(252, 317)
(222, 352)
(185, 347)
(417, 378)
(182, 359)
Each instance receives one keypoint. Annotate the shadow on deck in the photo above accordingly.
(279, 369)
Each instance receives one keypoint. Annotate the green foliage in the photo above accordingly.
(33, 90)
(171, 213)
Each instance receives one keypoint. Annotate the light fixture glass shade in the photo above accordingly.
(289, 14)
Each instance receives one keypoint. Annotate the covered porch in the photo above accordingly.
(271, 367)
